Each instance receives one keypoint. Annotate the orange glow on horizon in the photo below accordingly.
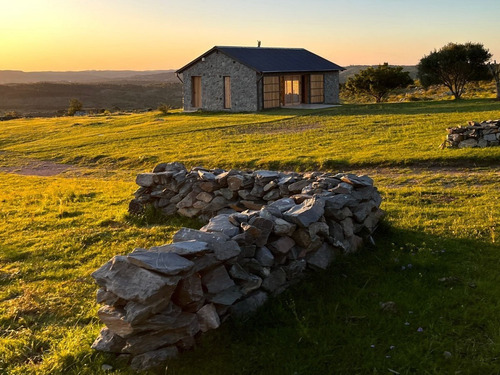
(61, 35)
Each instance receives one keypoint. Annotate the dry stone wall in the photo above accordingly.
(484, 134)
(264, 230)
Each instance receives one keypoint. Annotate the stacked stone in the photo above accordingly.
(484, 134)
(158, 301)
(205, 193)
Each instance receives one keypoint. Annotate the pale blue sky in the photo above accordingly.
(155, 34)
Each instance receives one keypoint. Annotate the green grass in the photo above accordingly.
(443, 219)
(387, 134)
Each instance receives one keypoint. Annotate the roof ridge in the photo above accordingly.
(252, 47)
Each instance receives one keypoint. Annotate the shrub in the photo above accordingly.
(164, 109)
(74, 106)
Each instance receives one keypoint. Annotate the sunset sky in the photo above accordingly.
(38, 35)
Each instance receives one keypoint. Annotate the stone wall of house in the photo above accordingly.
(331, 88)
(265, 230)
(484, 134)
(212, 72)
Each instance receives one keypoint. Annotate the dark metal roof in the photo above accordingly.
(273, 60)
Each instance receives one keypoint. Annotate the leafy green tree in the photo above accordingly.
(495, 72)
(454, 65)
(74, 106)
(378, 82)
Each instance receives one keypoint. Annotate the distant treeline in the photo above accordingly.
(48, 99)
(352, 70)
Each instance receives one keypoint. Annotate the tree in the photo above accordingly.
(74, 106)
(495, 72)
(378, 82)
(454, 66)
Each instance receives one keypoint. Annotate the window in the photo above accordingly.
(317, 90)
(227, 92)
(271, 92)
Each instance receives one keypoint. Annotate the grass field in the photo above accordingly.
(436, 255)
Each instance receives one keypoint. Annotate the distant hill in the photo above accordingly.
(50, 98)
(89, 76)
(352, 70)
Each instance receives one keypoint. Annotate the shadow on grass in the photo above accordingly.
(413, 108)
(443, 291)
(305, 163)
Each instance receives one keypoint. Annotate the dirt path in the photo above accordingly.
(41, 168)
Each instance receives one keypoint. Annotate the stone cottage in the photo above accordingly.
(250, 79)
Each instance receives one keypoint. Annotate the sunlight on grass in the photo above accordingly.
(436, 253)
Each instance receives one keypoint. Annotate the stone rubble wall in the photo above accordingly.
(265, 230)
(484, 134)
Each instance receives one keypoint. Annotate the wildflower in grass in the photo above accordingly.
(410, 265)
(392, 347)
(407, 323)
(372, 346)
(420, 329)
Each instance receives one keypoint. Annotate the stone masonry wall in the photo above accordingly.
(265, 230)
(212, 72)
(484, 134)
(331, 88)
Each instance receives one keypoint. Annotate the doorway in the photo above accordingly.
(292, 86)
(196, 91)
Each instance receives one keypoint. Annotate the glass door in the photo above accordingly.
(292, 90)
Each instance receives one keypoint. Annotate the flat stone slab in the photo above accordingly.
(322, 258)
(227, 297)
(217, 280)
(186, 234)
(208, 318)
(109, 342)
(226, 250)
(152, 359)
(145, 179)
(191, 247)
(263, 174)
(283, 204)
(357, 180)
(264, 256)
(249, 304)
(185, 325)
(166, 263)
(339, 201)
(306, 213)
(221, 223)
(131, 282)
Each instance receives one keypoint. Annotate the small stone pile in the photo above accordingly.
(158, 301)
(484, 134)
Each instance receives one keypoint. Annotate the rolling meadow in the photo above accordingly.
(65, 184)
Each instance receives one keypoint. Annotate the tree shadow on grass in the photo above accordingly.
(414, 108)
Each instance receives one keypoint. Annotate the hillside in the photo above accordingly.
(93, 76)
(352, 70)
(48, 99)
(65, 184)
